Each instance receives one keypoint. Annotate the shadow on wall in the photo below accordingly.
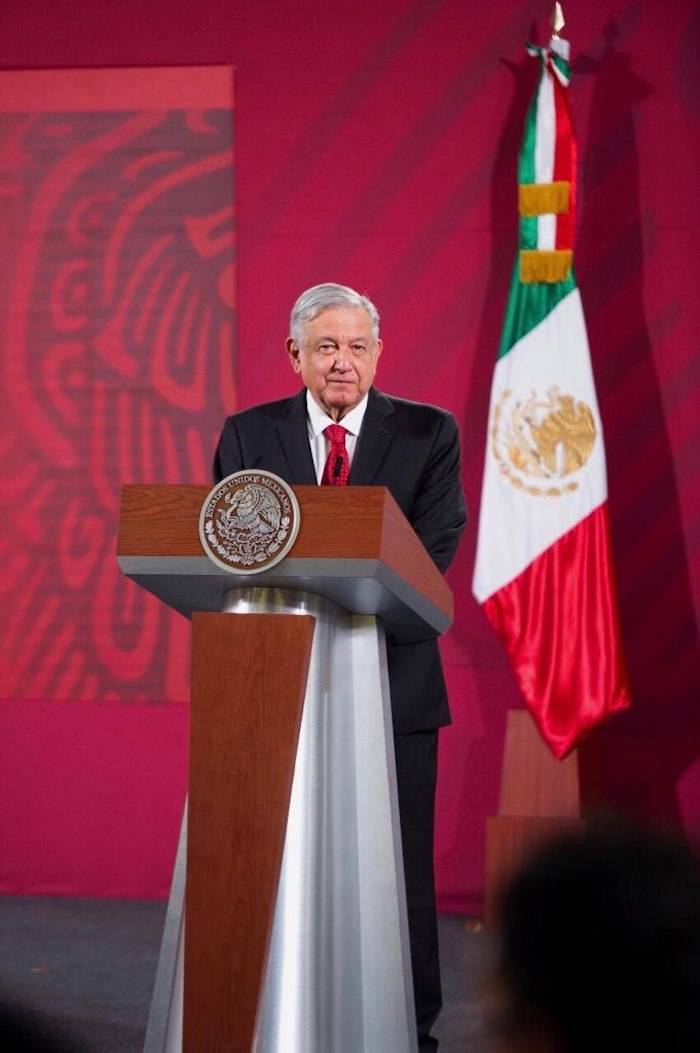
(647, 750)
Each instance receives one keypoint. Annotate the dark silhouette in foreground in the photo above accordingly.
(600, 945)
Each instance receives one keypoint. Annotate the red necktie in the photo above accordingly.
(337, 467)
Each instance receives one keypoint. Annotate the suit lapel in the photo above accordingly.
(376, 434)
(293, 435)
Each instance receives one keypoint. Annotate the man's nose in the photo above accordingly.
(343, 359)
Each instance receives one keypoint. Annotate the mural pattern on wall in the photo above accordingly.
(117, 316)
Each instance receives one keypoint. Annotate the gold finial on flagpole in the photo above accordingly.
(558, 22)
(557, 45)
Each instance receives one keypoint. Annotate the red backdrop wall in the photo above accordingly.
(376, 145)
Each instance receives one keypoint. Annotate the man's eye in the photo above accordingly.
(326, 349)
(359, 349)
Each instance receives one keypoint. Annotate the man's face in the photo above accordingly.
(338, 358)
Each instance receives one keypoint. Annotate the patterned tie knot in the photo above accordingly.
(336, 433)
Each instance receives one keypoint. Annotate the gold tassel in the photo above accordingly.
(550, 266)
(541, 199)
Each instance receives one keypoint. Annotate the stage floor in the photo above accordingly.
(82, 971)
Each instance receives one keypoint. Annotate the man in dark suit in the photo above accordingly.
(413, 450)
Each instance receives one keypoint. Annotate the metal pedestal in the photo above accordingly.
(338, 976)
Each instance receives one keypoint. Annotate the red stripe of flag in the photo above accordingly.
(558, 622)
(565, 162)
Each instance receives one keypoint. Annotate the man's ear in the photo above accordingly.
(293, 352)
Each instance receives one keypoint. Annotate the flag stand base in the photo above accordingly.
(540, 797)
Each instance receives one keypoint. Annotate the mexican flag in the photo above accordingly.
(544, 571)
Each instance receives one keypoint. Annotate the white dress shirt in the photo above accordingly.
(318, 421)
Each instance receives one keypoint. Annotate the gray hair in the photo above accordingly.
(319, 297)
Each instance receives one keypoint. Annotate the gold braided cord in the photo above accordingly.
(551, 265)
(541, 199)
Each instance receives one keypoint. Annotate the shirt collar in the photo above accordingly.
(319, 420)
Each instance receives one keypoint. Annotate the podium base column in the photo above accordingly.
(337, 977)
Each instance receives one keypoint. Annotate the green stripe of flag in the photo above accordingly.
(563, 67)
(528, 305)
(526, 174)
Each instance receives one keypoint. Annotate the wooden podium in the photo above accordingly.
(294, 927)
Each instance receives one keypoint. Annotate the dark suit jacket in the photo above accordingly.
(413, 450)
